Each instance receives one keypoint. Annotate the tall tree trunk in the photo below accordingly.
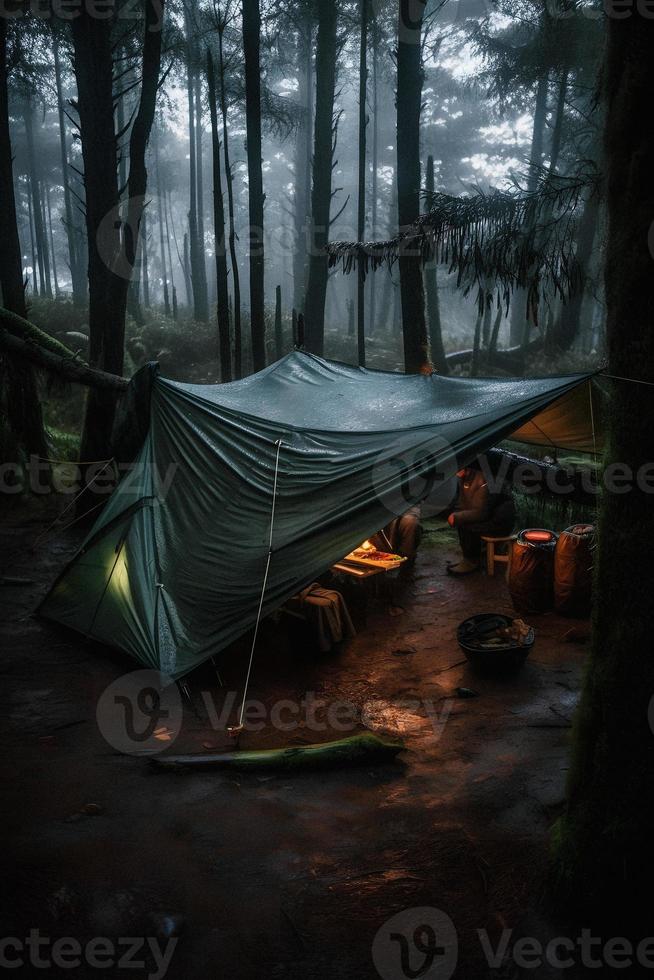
(409, 103)
(251, 46)
(519, 304)
(36, 286)
(145, 267)
(431, 288)
(567, 327)
(199, 169)
(75, 257)
(48, 205)
(43, 252)
(302, 198)
(170, 255)
(278, 322)
(374, 188)
(162, 244)
(22, 405)
(321, 193)
(181, 256)
(229, 178)
(112, 239)
(361, 205)
(196, 247)
(604, 841)
(224, 348)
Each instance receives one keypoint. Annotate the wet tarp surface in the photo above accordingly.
(172, 571)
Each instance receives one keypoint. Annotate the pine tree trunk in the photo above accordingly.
(604, 842)
(361, 206)
(278, 323)
(162, 246)
(409, 103)
(519, 303)
(431, 288)
(75, 255)
(302, 197)
(145, 269)
(46, 196)
(229, 178)
(374, 188)
(196, 247)
(42, 250)
(321, 193)
(112, 237)
(224, 347)
(22, 405)
(251, 46)
(199, 169)
(567, 328)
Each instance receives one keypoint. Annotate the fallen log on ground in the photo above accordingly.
(509, 359)
(22, 339)
(357, 750)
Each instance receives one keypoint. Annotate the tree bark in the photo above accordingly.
(229, 178)
(321, 192)
(162, 243)
(409, 104)
(361, 204)
(251, 50)
(604, 842)
(196, 247)
(278, 323)
(75, 254)
(42, 250)
(567, 327)
(519, 304)
(224, 348)
(112, 238)
(374, 186)
(22, 403)
(199, 169)
(431, 288)
(302, 197)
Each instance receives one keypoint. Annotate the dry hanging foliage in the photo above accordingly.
(510, 239)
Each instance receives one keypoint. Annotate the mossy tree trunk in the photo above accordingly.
(604, 841)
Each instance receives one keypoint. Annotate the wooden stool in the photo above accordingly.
(492, 557)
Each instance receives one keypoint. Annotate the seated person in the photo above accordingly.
(401, 536)
(479, 510)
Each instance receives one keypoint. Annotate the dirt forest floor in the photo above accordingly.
(288, 876)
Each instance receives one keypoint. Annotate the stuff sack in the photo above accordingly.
(531, 571)
(573, 571)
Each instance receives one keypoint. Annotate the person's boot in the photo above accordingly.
(463, 567)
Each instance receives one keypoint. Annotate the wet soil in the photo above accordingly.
(281, 875)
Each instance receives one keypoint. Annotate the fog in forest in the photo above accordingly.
(479, 133)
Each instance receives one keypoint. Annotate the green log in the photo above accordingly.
(354, 751)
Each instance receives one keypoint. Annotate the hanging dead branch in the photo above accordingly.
(514, 239)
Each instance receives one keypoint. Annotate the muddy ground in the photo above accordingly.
(276, 875)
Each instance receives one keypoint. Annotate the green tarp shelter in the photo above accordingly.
(172, 571)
